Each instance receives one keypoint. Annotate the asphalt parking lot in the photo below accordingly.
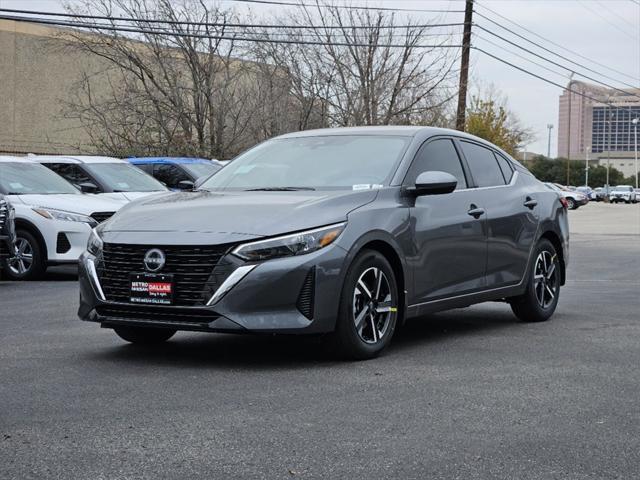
(464, 394)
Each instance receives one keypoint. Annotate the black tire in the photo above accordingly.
(362, 343)
(13, 267)
(144, 335)
(529, 307)
(571, 203)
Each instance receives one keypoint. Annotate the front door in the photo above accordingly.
(450, 233)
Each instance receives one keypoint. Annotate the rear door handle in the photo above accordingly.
(530, 203)
(476, 212)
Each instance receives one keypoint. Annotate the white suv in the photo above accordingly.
(623, 193)
(106, 176)
(53, 219)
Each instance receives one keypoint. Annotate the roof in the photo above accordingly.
(170, 160)
(77, 159)
(12, 159)
(395, 130)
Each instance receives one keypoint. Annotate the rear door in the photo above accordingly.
(511, 213)
(450, 249)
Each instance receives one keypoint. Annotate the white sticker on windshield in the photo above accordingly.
(16, 185)
(122, 185)
(376, 186)
(362, 186)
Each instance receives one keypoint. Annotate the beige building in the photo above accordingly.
(599, 124)
(37, 77)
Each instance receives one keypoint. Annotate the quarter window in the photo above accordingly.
(483, 164)
(505, 167)
(438, 155)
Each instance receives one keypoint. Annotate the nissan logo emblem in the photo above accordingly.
(154, 260)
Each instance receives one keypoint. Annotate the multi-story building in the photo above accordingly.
(598, 121)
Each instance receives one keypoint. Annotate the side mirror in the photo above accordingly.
(185, 185)
(88, 187)
(434, 183)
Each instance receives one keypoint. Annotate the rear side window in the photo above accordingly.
(483, 164)
(437, 155)
(505, 167)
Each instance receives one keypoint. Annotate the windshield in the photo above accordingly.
(329, 162)
(198, 170)
(31, 178)
(123, 177)
(624, 188)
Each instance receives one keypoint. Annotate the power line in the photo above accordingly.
(348, 7)
(219, 24)
(542, 47)
(217, 37)
(550, 42)
(606, 20)
(553, 62)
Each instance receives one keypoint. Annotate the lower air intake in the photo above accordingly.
(306, 296)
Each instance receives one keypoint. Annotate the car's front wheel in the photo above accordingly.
(28, 261)
(540, 299)
(368, 311)
(144, 335)
(571, 203)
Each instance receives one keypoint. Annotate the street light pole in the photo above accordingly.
(549, 127)
(586, 167)
(635, 136)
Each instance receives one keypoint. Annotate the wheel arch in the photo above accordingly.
(22, 224)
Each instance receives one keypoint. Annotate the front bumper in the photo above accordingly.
(266, 300)
(65, 241)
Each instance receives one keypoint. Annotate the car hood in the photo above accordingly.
(126, 196)
(83, 204)
(236, 214)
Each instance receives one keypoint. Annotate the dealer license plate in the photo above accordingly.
(151, 288)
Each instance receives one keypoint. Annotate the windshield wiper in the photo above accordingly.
(278, 189)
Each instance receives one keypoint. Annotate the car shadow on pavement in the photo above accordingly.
(260, 352)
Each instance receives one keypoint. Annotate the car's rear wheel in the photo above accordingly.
(571, 203)
(368, 311)
(540, 299)
(28, 261)
(144, 335)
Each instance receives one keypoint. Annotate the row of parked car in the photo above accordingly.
(49, 204)
(578, 196)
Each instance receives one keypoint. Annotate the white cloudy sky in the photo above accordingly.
(605, 31)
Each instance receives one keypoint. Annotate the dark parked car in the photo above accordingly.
(341, 232)
(177, 173)
(7, 230)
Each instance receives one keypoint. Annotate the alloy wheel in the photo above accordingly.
(546, 279)
(22, 261)
(373, 305)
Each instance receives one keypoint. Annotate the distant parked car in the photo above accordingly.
(573, 199)
(623, 193)
(177, 173)
(53, 219)
(7, 229)
(106, 176)
(590, 194)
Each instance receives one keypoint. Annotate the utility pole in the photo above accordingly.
(569, 131)
(586, 167)
(549, 127)
(635, 135)
(464, 66)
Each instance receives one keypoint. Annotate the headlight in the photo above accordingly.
(94, 244)
(290, 245)
(62, 215)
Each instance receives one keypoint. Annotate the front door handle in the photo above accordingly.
(530, 203)
(476, 212)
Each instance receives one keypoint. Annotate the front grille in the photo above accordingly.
(154, 314)
(305, 297)
(192, 268)
(101, 216)
(62, 244)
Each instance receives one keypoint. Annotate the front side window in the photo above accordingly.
(70, 172)
(32, 178)
(315, 162)
(123, 177)
(483, 164)
(438, 155)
